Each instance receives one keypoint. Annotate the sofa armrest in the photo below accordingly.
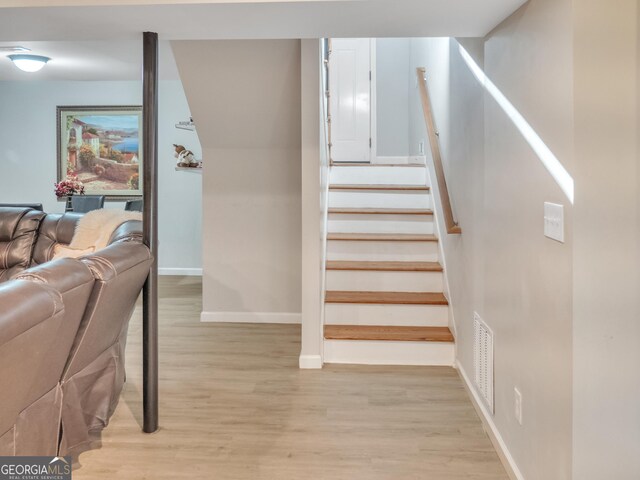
(129, 231)
(108, 263)
(23, 305)
(120, 271)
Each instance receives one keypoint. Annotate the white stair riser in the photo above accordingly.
(382, 251)
(396, 315)
(377, 281)
(379, 199)
(389, 353)
(374, 223)
(378, 175)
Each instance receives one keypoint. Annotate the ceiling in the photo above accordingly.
(89, 60)
(89, 42)
(201, 19)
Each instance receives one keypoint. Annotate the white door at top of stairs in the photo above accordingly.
(350, 99)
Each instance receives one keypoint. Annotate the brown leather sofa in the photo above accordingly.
(74, 315)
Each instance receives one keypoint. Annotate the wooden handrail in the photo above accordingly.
(450, 224)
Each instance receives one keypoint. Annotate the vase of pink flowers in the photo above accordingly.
(69, 187)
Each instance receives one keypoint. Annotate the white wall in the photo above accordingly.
(28, 155)
(245, 99)
(392, 96)
(315, 175)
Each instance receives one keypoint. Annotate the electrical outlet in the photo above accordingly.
(518, 405)
(421, 147)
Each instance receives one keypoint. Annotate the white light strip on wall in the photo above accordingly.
(549, 160)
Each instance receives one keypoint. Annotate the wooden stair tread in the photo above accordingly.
(378, 187)
(383, 237)
(384, 266)
(382, 211)
(388, 333)
(386, 298)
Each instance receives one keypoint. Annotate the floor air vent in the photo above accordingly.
(483, 359)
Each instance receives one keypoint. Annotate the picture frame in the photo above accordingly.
(101, 145)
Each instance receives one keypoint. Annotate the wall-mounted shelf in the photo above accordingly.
(190, 126)
(189, 169)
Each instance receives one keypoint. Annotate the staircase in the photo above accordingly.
(384, 284)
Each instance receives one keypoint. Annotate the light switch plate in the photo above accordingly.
(554, 221)
(517, 397)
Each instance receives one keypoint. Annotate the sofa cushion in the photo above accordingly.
(18, 233)
(56, 229)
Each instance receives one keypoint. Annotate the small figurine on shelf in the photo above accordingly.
(185, 157)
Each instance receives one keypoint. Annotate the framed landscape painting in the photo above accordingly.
(101, 146)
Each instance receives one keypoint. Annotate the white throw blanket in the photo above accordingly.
(93, 232)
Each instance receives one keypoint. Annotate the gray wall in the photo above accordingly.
(606, 327)
(245, 99)
(392, 96)
(433, 55)
(28, 155)
(502, 266)
(528, 277)
(400, 121)
(564, 316)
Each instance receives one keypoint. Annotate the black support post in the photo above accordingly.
(150, 219)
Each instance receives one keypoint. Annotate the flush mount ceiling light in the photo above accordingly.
(29, 63)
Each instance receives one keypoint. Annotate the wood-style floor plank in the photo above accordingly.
(386, 298)
(388, 333)
(235, 406)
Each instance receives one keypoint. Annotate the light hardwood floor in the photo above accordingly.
(234, 405)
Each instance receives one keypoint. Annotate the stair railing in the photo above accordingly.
(450, 224)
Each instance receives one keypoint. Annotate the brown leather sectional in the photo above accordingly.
(63, 329)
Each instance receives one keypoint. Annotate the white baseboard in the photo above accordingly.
(250, 317)
(310, 362)
(400, 160)
(180, 271)
(490, 427)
